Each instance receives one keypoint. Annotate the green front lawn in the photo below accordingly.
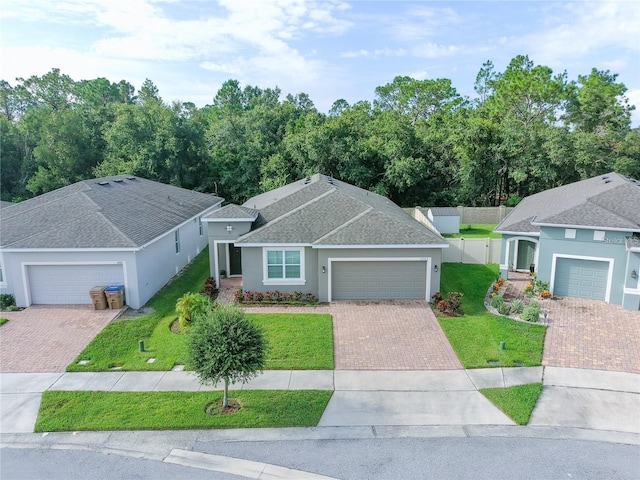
(296, 341)
(88, 410)
(516, 402)
(475, 230)
(476, 335)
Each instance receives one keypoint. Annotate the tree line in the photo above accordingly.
(419, 142)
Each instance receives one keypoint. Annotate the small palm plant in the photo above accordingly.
(189, 305)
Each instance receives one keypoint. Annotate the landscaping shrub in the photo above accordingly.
(504, 309)
(7, 301)
(275, 296)
(497, 301)
(210, 289)
(531, 313)
(451, 306)
(516, 306)
(189, 305)
(436, 297)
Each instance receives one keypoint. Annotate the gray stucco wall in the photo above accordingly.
(252, 272)
(217, 231)
(552, 241)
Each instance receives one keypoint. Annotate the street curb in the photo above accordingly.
(157, 445)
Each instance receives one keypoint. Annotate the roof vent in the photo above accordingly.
(605, 177)
(330, 181)
(607, 181)
(131, 178)
(307, 180)
(118, 180)
(103, 183)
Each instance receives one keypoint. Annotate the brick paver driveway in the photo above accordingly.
(384, 335)
(389, 335)
(592, 334)
(46, 338)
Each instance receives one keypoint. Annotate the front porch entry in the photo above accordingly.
(235, 260)
(522, 254)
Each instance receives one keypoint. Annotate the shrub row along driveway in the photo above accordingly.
(46, 338)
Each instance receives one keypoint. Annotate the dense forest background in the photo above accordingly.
(419, 142)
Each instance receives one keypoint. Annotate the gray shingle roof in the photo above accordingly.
(112, 212)
(5, 204)
(608, 201)
(324, 211)
(232, 212)
(444, 211)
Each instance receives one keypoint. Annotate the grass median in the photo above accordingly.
(89, 410)
(516, 402)
(476, 335)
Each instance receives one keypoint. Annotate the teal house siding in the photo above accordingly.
(583, 246)
(586, 239)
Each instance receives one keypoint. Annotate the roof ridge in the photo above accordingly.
(344, 225)
(109, 222)
(290, 212)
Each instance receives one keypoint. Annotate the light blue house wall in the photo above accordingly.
(553, 245)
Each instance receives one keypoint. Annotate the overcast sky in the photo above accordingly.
(327, 49)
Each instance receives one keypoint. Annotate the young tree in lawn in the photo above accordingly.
(225, 345)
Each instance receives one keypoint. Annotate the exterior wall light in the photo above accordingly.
(229, 228)
(323, 269)
(634, 274)
(435, 268)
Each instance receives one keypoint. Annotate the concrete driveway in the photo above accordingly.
(46, 338)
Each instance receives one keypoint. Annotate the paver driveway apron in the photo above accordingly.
(46, 338)
(389, 335)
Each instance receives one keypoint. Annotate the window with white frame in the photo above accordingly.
(176, 238)
(200, 225)
(284, 265)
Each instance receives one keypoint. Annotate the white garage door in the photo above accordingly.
(69, 284)
(379, 280)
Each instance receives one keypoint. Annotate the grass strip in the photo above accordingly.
(516, 402)
(62, 410)
(476, 336)
(297, 341)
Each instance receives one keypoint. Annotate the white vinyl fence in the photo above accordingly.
(472, 250)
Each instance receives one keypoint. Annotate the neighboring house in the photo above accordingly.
(328, 238)
(445, 219)
(582, 238)
(118, 230)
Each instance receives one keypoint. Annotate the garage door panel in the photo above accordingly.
(382, 280)
(581, 278)
(69, 284)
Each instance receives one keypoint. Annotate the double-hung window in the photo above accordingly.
(284, 266)
(176, 240)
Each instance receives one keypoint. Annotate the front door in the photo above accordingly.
(235, 260)
(526, 254)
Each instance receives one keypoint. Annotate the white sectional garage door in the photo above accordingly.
(69, 284)
(581, 278)
(378, 280)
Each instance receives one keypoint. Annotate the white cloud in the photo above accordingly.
(577, 30)
(381, 52)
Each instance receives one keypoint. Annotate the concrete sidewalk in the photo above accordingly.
(363, 394)
(572, 398)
